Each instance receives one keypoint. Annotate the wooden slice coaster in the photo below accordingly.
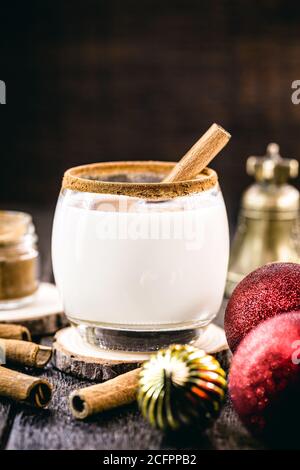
(43, 316)
(74, 356)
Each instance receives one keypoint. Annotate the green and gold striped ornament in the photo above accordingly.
(181, 386)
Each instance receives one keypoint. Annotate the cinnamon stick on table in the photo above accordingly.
(25, 353)
(9, 331)
(21, 387)
(121, 390)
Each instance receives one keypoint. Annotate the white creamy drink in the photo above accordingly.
(163, 266)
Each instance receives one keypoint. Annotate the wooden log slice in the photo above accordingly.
(43, 316)
(74, 356)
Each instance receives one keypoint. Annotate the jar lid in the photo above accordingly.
(140, 179)
(13, 226)
(272, 167)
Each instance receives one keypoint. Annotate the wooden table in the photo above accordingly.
(22, 427)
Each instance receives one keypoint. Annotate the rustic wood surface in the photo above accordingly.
(22, 427)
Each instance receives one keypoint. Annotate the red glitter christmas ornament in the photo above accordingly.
(264, 380)
(266, 292)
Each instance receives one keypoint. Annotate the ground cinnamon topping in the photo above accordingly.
(135, 179)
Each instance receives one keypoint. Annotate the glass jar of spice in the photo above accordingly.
(18, 259)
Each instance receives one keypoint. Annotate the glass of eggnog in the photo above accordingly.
(139, 263)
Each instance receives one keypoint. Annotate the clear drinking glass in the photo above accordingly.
(139, 264)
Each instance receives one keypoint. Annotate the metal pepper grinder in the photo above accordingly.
(268, 225)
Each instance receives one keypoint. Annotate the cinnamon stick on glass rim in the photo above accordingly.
(200, 155)
(24, 388)
(11, 331)
(122, 390)
(25, 353)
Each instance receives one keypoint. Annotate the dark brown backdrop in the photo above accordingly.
(139, 79)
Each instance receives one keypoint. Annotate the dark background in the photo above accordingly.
(142, 79)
